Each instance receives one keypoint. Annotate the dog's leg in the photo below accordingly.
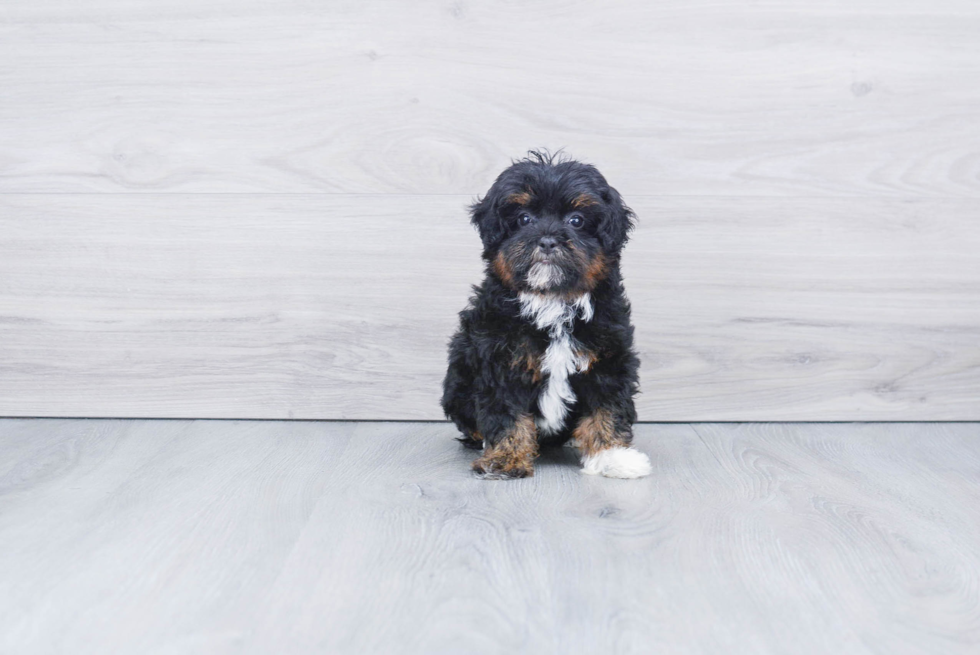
(510, 452)
(604, 439)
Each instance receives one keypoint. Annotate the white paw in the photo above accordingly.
(618, 462)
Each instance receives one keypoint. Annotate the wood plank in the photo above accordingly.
(320, 306)
(239, 537)
(864, 97)
(152, 530)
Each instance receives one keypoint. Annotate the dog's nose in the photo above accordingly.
(547, 244)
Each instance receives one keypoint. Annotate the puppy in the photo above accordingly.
(544, 351)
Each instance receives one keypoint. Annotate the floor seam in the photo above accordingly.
(705, 444)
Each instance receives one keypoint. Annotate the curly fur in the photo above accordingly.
(546, 341)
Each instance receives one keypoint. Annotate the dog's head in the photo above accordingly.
(552, 225)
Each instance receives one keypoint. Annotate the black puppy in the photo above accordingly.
(544, 351)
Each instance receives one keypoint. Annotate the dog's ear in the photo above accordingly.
(619, 220)
(484, 215)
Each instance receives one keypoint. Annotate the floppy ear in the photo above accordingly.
(616, 225)
(483, 214)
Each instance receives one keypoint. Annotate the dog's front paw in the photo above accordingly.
(617, 462)
(489, 468)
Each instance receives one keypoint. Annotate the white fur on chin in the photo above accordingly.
(544, 275)
(617, 462)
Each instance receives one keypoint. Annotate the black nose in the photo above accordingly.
(547, 244)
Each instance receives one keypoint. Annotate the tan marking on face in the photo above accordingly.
(597, 432)
(503, 270)
(579, 254)
(513, 456)
(584, 200)
(595, 271)
(523, 198)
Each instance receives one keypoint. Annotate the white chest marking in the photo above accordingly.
(561, 358)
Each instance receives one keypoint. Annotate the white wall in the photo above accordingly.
(256, 209)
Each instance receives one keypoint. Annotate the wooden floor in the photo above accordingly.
(123, 536)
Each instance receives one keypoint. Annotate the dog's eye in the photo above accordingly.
(523, 219)
(576, 221)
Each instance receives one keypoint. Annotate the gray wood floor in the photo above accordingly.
(122, 536)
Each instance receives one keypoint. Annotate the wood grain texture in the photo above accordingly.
(807, 177)
(319, 306)
(856, 98)
(240, 537)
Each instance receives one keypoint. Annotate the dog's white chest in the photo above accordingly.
(561, 359)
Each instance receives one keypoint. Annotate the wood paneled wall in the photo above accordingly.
(257, 209)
